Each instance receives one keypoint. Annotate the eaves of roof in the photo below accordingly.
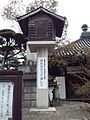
(77, 46)
(38, 10)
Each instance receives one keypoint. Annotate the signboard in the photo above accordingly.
(42, 75)
(10, 95)
(6, 100)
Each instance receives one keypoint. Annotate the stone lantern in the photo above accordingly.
(41, 27)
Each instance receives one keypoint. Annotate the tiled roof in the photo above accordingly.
(78, 46)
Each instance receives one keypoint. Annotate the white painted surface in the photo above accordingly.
(6, 100)
(42, 73)
(62, 87)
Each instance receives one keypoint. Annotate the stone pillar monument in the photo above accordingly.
(42, 78)
(42, 48)
(41, 26)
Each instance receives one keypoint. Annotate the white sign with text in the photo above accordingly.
(42, 73)
(6, 100)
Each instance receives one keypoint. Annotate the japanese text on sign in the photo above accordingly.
(6, 100)
(42, 76)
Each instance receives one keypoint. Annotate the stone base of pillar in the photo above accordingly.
(50, 109)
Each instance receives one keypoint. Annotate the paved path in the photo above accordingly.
(69, 110)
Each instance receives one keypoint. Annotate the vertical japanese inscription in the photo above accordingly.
(42, 76)
(6, 100)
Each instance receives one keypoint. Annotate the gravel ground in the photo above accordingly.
(69, 110)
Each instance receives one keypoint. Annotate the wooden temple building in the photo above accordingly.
(78, 70)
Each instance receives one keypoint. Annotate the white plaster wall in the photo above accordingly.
(62, 87)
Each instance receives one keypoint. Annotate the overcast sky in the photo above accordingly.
(76, 12)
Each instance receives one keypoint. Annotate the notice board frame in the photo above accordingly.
(15, 77)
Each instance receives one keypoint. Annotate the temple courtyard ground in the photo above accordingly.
(68, 110)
